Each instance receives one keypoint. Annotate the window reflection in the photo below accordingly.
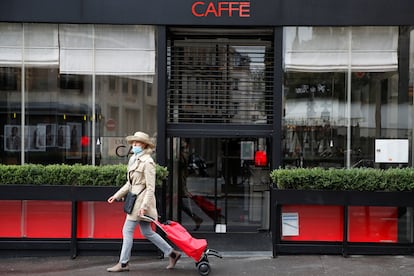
(82, 90)
(340, 94)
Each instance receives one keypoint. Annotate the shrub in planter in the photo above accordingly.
(161, 174)
(357, 179)
(72, 175)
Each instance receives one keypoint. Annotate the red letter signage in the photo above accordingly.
(221, 9)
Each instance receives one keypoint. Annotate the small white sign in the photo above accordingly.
(290, 224)
(391, 150)
(221, 228)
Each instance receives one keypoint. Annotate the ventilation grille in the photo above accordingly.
(219, 83)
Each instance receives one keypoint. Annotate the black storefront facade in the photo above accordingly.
(230, 89)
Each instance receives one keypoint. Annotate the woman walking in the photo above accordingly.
(140, 181)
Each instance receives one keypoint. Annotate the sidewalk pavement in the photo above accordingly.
(232, 264)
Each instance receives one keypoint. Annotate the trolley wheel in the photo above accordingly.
(203, 268)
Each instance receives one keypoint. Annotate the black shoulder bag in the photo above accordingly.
(130, 201)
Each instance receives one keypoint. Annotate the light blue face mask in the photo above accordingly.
(136, 149)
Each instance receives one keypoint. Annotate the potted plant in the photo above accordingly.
(362, 210)
(357, 179)
(70, 175)
(161, 174)
(77, 192)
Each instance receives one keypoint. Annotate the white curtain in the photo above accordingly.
(107, 50)
(326, 49)
(39, 41)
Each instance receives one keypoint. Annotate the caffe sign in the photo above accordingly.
(221, 9)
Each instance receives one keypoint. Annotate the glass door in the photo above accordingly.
(219, 184)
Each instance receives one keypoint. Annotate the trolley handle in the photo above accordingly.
(153, 220)
(149, 218)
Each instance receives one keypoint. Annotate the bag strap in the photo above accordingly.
(141, 191)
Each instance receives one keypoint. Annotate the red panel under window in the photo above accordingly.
(47, 219)
(101, 220)
(11, 218)
(373, 224)
(316, 223)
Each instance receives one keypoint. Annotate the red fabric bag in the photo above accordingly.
(178, 235)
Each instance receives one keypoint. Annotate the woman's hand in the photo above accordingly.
(111, 199)
(141, 212)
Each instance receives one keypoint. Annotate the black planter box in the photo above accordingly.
(337, 198)
(73, 246)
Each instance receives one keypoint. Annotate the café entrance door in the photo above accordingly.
(220, 184)
(219, 116)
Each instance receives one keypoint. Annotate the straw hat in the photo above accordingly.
(140, 137)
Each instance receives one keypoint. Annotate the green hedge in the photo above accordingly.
(73, 175)
(358, 179)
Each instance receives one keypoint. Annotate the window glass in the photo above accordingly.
(340, 95)
(73, 92)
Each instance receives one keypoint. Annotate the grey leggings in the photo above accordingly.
(147, 232)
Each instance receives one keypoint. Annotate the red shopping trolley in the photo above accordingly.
(192, 247)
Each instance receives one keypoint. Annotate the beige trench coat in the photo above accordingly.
(140, 177)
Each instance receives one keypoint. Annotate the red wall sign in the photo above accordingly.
(110, 124)
(221, 9)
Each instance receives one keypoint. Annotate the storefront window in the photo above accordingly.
(73, 92)
(340, 95)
